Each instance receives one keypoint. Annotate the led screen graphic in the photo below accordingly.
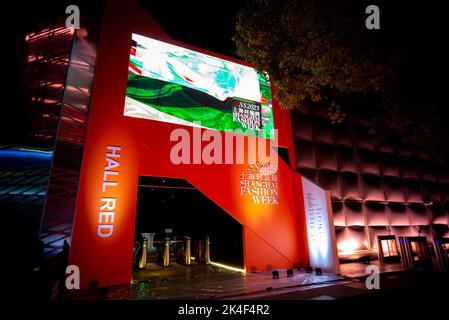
(177, 85)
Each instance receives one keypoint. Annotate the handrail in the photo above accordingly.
(171, 241)
(138, 248)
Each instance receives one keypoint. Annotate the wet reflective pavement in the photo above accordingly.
(200, 281)
(358, 269)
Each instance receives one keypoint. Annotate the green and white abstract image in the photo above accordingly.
(173, 84)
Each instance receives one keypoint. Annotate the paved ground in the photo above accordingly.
(357, 269)
(202, 282)
(407, 289)
(209, 282)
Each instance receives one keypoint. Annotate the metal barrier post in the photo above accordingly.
(143, 257)
(207, 251)
(166, 257)
(187, 251)
(199, 255)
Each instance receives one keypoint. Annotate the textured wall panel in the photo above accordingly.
(326, 157)
(393, 189)
(409, 169)
(443, 173)
(339, 217)
(431, 192)
(322, 132)
(372, 188)
(353, 213)
(368, 162)
(343, 135)
(389, 165)
(418, 215)
(376, 214)
(328, 180)
(427, 170)
(413, 191)
(438, 214)
(349, 186)
(362, 138)
(405, 231)
(397, 214)
(359, 235)
(345, 159)
(319, 111)
(304, 154)
(444, 187)
(374, 232)
(441, 230)
(386, 147)
(302, 128)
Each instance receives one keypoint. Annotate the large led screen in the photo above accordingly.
(173, 84)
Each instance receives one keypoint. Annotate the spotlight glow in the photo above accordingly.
(227, 267)
(348, 245)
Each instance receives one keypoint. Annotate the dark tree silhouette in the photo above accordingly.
(322, 51)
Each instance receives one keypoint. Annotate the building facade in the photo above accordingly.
(96, 163)
(377, 189)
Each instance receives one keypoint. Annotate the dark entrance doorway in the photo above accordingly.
(174, 209)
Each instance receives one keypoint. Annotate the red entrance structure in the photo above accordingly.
(274, 236)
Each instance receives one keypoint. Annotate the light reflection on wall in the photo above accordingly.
(348, 245)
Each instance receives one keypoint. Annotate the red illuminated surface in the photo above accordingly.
(274, 235)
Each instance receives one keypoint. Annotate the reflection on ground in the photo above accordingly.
(200, 281)
(357, 269)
